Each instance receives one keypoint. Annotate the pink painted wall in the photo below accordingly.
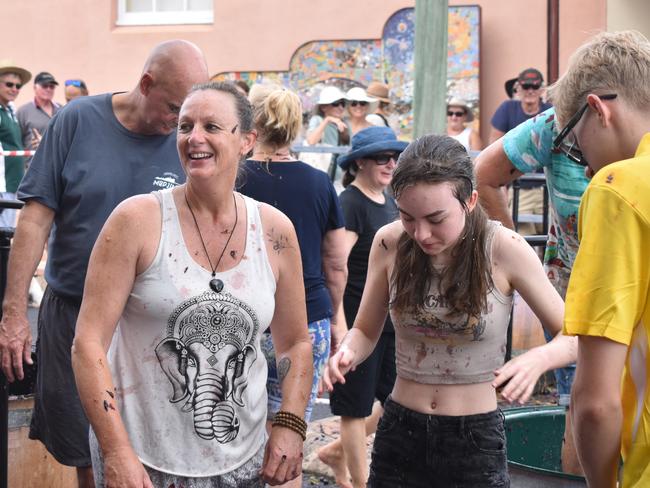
(78, 38)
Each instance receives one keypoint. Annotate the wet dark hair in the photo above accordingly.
(466, 281)
(242, 105)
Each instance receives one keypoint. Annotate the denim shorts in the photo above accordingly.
(319, 331)
(415, 450)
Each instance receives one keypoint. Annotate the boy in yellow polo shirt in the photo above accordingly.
(603, 104)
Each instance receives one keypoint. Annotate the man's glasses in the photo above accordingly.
(11, 84)
(383, 159)
(451, 113)
(338, 103)
(77, 83)
(354, 103)
(530, 86)
(571, 148)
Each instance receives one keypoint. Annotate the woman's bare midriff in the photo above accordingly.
(468, 399)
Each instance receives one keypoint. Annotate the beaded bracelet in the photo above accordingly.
(292, 422)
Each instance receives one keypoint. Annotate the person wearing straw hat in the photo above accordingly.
(358, 105)
(458, 115)
(379, 91)
(12, 79)
(367, 207)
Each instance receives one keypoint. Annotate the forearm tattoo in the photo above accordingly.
(108, 405)
(279, 241)
(283, 368)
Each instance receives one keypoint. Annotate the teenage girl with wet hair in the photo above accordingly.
(447, 276)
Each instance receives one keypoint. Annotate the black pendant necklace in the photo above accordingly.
(216, 284)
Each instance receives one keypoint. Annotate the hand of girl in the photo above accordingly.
(338, 365)
(519, 375)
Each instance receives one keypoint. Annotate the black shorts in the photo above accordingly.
(416, 450)
(374, 378)
(58, 420)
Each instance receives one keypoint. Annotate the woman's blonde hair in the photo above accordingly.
(611, 62)
(277, 114)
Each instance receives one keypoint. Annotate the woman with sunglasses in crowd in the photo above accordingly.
(367, 206)
(327, 126)
(358, 106)
(459, 115)
(447, 276)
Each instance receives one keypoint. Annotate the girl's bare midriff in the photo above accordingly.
(468, 399)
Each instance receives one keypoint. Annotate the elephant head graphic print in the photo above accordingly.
(206, 355)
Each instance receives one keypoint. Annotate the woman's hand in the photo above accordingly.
(282, 456)
(519, 375)
(123, 469)
(338, 365)
(340, 125)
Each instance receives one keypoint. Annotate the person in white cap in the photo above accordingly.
(327, 125)
(458, 115)
(358, 107)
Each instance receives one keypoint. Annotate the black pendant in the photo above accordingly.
(216, 284)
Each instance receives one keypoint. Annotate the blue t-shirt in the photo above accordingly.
(510, 114)
(86, 164)
(307, 197)
(529, 147)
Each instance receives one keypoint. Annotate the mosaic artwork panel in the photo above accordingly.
(389, 59)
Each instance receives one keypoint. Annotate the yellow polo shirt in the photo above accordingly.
(609, 291)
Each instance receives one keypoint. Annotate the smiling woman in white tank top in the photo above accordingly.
(447, 276)
(181, 285)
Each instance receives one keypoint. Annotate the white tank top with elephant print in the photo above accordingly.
(189, 374)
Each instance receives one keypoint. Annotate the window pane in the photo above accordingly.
(169, 5)
(199, 5)
(139, 5)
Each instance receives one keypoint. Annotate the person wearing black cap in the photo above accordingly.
(513, 112)
(34, 116)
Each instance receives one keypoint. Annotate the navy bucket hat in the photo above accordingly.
(371, 141)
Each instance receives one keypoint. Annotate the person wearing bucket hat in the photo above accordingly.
(359, 103)
(327, 126)
(511, 113)
(379, 91)
(459, 114)
(12, 78)
(367, 207)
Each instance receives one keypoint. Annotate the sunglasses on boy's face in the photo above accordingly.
(384, 158)
(530, 86)
(570, 147)
(10, 84)
(451, 113)
(354, 103)
(338, 103)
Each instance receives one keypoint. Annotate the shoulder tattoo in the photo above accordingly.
(278, 240)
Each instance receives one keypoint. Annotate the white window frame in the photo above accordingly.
(162, 18)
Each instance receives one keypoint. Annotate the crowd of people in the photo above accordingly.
(204, 284)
